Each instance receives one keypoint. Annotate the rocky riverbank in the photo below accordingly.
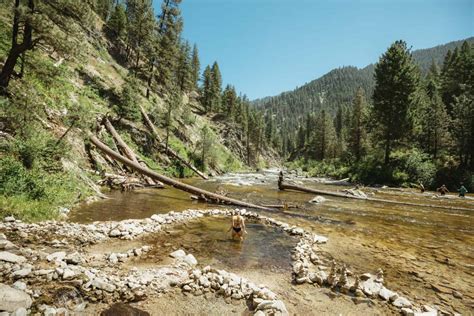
(46, 270)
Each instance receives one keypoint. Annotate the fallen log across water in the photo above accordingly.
(209, 196)
(168, 150)
(283, 186)
(127, 151)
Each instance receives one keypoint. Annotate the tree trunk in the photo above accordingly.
(387, 151)
(212, 197)
(17, 49)
(126, 150)
(169, 151)
(283, 186)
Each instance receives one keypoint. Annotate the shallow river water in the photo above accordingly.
(426, 253)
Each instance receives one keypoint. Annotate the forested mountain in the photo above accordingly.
(406, 119)
(337, 89)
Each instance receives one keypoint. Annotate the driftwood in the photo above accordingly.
(168, 150)
(209, 196)
(283, 186)
(127, 151)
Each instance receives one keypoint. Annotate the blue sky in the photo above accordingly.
(265, 47)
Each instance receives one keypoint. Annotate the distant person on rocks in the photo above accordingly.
(238, 226)
(443, 190)
(462, 191)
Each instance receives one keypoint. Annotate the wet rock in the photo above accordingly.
(318, 199)
(10, 257)
(121, 309)
(178, 254)
(12, 299)
(401, 302)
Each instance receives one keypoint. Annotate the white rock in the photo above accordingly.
(204, 281)
(320, 239)
(10, 257)
(178, 254)
(190, 260)
(56, 256)
(318, 199)
(115, 233)
(101, 284)
(273, 304)
(386, 294)
(370, 287)
(401, 302)
(3, 236)
(113, 258)
(430, 313)
(68, 274)
(7, 245)
(20, 312)
(9, 219)
(50, 311)
(407, 311)
(22, 273)
(12, 299)
(19, 285)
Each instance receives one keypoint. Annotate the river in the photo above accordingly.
(426, 253)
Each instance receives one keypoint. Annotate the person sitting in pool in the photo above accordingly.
(238, 226)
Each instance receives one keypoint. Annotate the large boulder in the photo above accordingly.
(12, 299)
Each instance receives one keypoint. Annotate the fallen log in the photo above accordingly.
(283, 186)
(127, 151)
(212, 197)
(168, 150)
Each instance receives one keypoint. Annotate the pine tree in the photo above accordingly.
(206, 94)
(357, 131)
(185, 81)
(38, 23)
(196, 67)
(117, 24)
(216, 87)
(141, 23)
(128, 107)
(229, 102)
(104, 8)
(396, 79)
(170, 27)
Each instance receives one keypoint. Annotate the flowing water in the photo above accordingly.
(426, 253)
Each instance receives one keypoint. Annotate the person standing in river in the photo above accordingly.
(238, 226)
(462, 191)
